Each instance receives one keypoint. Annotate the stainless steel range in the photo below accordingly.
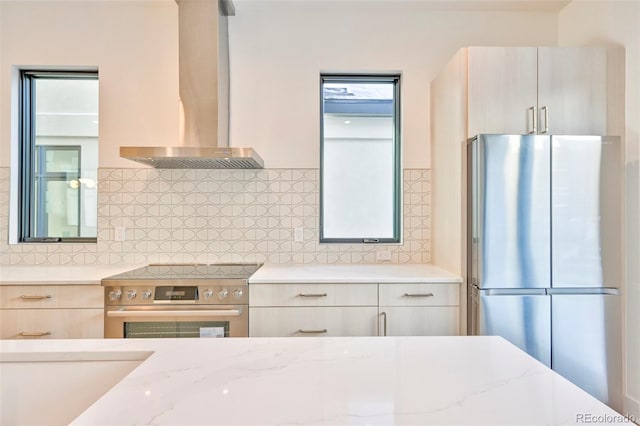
(178, 300)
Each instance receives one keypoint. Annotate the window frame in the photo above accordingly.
(394, 78)
(26, 152)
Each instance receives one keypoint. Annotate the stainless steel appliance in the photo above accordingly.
(178, 301)
(545, 249)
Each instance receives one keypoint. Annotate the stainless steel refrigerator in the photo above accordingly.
(545, 252)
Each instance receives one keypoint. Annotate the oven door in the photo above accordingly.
(176, 321)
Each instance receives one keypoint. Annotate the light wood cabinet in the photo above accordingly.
(51, 312)
(546, 90)
(313, 321)
(313, 309)
(342, 309)
(335, 294)
(419, 309)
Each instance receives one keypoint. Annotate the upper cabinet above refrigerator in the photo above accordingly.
(545, 90)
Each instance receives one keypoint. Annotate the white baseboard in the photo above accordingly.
(632, 408)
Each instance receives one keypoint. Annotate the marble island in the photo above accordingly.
(331, 381)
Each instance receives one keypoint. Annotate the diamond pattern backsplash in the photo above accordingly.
(213, 216)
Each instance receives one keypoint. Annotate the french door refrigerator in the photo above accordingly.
(545, 249)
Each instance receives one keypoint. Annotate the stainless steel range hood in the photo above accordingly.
(204, 96)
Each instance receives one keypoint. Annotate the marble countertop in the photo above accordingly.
(309, 381)
(58, 274)
(354, 273)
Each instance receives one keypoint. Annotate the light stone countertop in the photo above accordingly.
(58, 274)
(331, 381)
(352, 273)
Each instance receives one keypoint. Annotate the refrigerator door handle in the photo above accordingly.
(514, 292)
(584, 290)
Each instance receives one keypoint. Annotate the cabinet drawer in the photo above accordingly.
(51, 296)
(313, 295)
(420, 321)
(419, 294)
(59, 323)
(316, 321)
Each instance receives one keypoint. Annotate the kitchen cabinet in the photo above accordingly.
(310, 309)
(547, 90)
(347, 309)
(51, 311)
(419, 309)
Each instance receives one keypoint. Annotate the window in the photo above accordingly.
(360, 159)
(58, 156)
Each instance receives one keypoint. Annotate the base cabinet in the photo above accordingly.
(51, 323)
(313, 321)
(51, 312)
(370, 309)
(419, 321)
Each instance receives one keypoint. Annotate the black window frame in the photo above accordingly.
(26, 152)
(394, 78)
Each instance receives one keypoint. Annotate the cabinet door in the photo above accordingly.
(419, 321)
(313, 321)
(329, 294)
(427, 294)
(502, 89)
(51, 296)
(52, 323)
(572, 86)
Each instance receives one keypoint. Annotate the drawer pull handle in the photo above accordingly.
(384, 317)
(418, 295)
(27, 297)
(324, 330)
(34, 333)
(312, 295)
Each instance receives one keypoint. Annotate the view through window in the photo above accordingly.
(59, 156)
(360, 159)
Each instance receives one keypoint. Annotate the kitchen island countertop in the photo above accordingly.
(337, 381)
(352, 273)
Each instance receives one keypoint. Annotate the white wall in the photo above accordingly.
(590, 22)
(278, 48)
(134, 45)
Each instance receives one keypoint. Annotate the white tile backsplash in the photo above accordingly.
(209, 216)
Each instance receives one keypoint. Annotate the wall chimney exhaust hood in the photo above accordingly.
(204, 95)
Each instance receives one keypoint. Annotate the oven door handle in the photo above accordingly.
(185, 313)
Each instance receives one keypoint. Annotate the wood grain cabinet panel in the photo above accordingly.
(419, 321)
(313, 321)
(340, 294)
(51, 296)
(51, 312)
(51, 323)
(419, 294)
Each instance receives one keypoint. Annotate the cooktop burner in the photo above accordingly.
(218, 271)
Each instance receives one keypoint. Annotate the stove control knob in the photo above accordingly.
(131, 294)
(223, 293)
(115, 295)
(146, 294)
(207, 293)
(238, 294)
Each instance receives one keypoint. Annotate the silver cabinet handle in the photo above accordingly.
(534, 120)
(384, 323)
(418, 295)
(34, 333)
(546, 118)
(312, 295)
(324, 330)
(27, 297)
